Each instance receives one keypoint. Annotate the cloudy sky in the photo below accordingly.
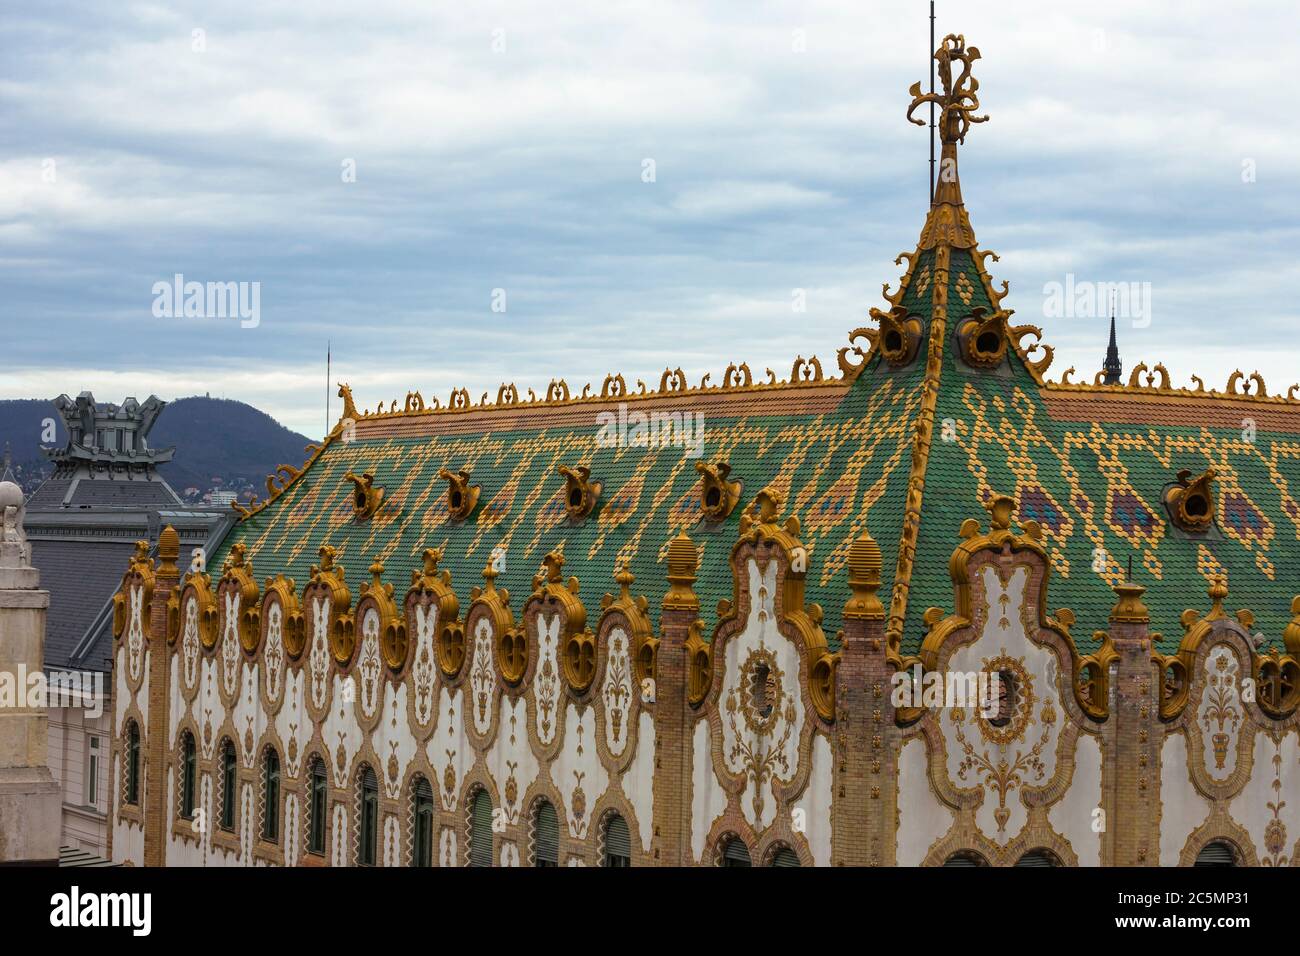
(505, 146)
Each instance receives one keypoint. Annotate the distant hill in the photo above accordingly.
(214, 438)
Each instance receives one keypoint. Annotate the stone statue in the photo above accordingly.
(14, 550)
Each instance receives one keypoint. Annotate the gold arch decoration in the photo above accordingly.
(431, 587)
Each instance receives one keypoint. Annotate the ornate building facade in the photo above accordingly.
(422, 668)
(104, 494)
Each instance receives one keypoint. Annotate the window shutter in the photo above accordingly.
(963, 859)
(1217, 853)
(1036, 858)
(618, 842)
(736, 854)
(547, 849)
(785, 857)
(480, 843)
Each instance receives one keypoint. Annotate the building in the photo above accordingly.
(29, 809)
(83, 522)
(403, 655)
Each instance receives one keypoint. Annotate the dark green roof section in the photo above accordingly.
(840, 470)
(1097, 488)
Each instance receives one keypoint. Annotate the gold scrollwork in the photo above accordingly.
(431, 587)
(718, 496)
(1191, 500)
(328, 581)
(237, 576)
(577, 642)
(461, 495)
(366, 497)
(580, 492)
(293, 628)
(393, 644)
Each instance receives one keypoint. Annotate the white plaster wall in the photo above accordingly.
(922, 817)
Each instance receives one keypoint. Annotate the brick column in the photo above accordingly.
(157, 815)
(865, 793)
(1136, 765)
(673, 723)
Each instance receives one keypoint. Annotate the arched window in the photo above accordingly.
(133, 763)
(369, 818)
(1217, 853)
(785, 857)
(735, 853)
(271, 796)
(480, 833)
(188, 770)
(1038, 858)
(968, 858)
(546, 835)
(422, 854)
(316, 790)
(228, 785)
(618, 842)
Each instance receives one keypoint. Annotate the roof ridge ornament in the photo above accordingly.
(947, 222)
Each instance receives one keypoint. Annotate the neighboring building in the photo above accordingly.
(395, 685)
(29, 810)
(104, 495)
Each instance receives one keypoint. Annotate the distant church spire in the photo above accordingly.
(1112, 367)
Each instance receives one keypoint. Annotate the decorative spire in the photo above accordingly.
(1112, 367)
(7, 473)
(947, 222)
(683, 561)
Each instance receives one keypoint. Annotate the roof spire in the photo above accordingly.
(947, 221)
(7, 474)
(1112, 367)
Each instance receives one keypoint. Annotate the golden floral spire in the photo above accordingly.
(958, 103)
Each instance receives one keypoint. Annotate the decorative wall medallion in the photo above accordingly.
(274, 651)
(617, 691)
(190, 643)
(370, 664)
(546, 684)
(135, 634)
(319, 660)
(426, 619)
(1220, 712)
(230, 642)
(482, 679)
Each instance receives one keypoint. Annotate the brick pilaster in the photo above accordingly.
(1135, 793)
(864, 798)
(157, 816)
(673, 724)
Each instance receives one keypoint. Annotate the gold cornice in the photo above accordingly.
(1156, 382)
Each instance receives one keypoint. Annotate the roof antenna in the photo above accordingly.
(932, 104)
(327, 386)
(1130, 569)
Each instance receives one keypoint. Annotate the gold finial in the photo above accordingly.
(430, 559)
(1218, 591)
(864, 579)
(959, 100)
(1129, 609)
(624, 577)
(683, 560)
(958, 103)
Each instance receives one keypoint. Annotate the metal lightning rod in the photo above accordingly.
(931, 58)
